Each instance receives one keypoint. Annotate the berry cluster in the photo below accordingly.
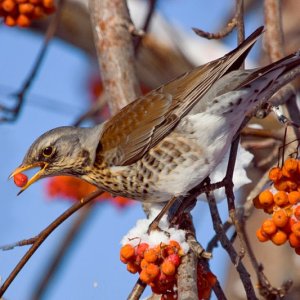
(157, 265)
(22, 12)
(282, 200)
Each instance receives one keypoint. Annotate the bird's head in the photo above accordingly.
(61, 151)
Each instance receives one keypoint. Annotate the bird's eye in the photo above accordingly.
(47, 151)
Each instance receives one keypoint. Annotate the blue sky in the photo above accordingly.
(92, 269)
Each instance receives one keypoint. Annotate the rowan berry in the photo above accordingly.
(152, 270)
(174, 258)
(290, 167)
(168, 267)
(261, 235)
(150, 255)
(281, 185)
(145, 277)
(269, 227)
(294, 240)
(281, 198)
(10, 21)
(141, 248)
(23, 21)
(20, 179)
(294, 197)
(297, 212)
(275, 174)
(280, 218)
(26, 8)
(296, 229)
(279, 238)
(127, 252)
(8, 5)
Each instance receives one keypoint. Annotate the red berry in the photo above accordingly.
(151, 255)
(297, 212)
(294, 240)
(175, 259)
(266, 198)
(20, 179)
(23, 20)
(168, 267)
(127, 252)
(296, 229)
(261, 235)
(141, 249)
(279, 238)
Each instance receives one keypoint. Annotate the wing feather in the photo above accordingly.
(146, 121)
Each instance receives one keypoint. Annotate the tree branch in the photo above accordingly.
(111, 22)
(275, 48)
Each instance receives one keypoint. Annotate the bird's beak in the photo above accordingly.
(34, 178)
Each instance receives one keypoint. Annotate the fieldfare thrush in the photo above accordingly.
(166, 142)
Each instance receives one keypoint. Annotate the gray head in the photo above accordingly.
(62, 151)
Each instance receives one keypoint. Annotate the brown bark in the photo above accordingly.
(111, 21)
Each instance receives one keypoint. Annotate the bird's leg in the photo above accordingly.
(155, 222)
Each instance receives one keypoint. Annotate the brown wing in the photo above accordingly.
(128, 132)
(143, 123)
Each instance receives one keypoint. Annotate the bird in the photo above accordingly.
(166, 142)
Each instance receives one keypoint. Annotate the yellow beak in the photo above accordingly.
(34, 178)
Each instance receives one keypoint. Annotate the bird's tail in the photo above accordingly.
(255, 87)
(279, 68)
(262, 83)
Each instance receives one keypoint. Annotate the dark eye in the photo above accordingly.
(48, 151)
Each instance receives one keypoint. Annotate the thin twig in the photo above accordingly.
(22, 243)
(145, 28)
(217, 35)
(137, 290)
(214, 241)
(43, 235)
(226, 244)
(239, 7)
(21, 94)
(231, 24)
